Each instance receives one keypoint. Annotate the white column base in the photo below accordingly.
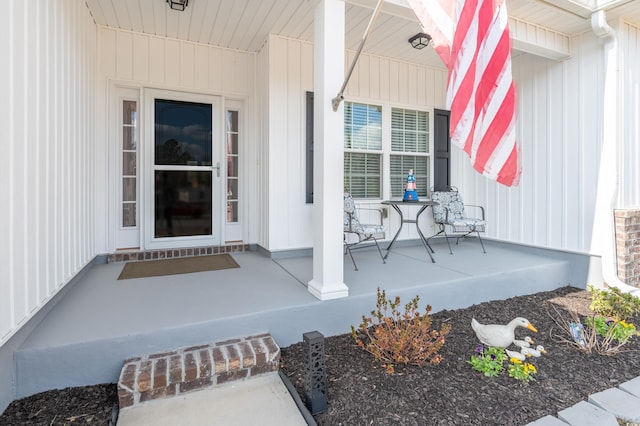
(324, 291)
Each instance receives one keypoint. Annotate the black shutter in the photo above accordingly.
(442, 148)
(309, 148)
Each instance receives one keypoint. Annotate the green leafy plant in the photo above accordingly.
(613, 303)
(522, 371)
(395, 337)
(620, 331)
(593, 333)
(488, 361)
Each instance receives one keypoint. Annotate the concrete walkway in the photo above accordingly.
(266, 401)
(601, 409)
(263, 401)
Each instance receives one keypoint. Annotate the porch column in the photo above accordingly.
(328, 170)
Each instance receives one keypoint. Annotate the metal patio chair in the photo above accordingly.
(354, 229)
(450, 215)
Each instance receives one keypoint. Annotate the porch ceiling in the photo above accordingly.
(245, 24)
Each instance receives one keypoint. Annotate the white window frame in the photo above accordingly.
(386, 152)
(235, 231)
(377, 152)
(422, 186)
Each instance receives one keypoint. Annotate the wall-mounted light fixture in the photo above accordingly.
(178, 4)
(420, 40)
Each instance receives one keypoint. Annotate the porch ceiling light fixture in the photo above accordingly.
(420, 40)
(178, 4)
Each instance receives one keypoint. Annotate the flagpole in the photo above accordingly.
(335, 102)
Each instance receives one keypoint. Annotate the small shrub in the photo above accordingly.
(488, 361)
(593, 333)
(613, 303)
(522, 371)
(620, 331)
(394, 338)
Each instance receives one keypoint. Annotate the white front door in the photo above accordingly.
(182, 177)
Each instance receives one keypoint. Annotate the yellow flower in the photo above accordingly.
(625, 324)
(515, 361)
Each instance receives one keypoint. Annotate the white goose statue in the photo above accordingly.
(524, 343)
(533, 352)
(499, 336)
(517, 355)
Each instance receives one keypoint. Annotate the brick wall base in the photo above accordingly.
(628, 245)
(134, 255)
(169, 374)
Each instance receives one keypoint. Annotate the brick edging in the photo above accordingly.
(168, 374)
(135, 255)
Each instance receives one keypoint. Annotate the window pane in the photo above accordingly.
(128, 215)
(129, 112)
(129, 138)
(409, 131)
(362, 126)
(399, 169)
(129, 163)
(232, 211)
(232, 166)
(363, 174)
(182, 203)
(232, 189)
(232, 121)
(182, 133)
(232, 144)
(129, 189)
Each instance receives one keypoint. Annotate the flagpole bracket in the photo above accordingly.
(335, 102)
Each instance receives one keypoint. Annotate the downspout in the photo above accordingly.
(609, 176)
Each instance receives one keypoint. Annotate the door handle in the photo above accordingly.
(217, 167)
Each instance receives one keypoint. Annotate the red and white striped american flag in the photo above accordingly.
(472, 39)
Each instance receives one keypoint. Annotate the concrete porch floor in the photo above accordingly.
(102, 321)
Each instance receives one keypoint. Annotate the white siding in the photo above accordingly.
(290, 76)
(146, 60)
(47, 111)
(629, 43)
(560, 132)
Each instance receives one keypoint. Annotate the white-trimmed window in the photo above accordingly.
(409, 150)
(129, 164)
(232, 152)
(368, 159)
(363, 150)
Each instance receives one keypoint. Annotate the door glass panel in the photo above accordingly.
(183, 176)
(183, 203)
(182, 133)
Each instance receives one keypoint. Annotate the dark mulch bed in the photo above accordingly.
(451, 393)
(360, 392)
(86, 405)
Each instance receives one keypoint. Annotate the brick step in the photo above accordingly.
(168, 374)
